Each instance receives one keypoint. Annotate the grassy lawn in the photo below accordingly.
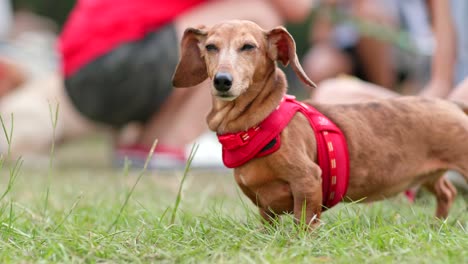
(84, 218)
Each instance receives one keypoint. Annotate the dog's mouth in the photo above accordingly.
(226, 96)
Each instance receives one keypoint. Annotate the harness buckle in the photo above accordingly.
(237, 140)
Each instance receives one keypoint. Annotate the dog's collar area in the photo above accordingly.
(265, 138)
(236, 140)
(257, 141)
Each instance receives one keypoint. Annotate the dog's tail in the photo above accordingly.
(463, 106)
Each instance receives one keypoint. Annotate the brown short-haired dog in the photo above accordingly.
(393, 144)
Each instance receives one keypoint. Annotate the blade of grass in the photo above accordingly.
(127, 198)
(69, 212)
(8, 136)
(13, 175)
(10, 217)
(53, 120)
(17, 231)
(193, 151)
(13, 171)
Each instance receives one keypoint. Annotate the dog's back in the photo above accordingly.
(397, 139)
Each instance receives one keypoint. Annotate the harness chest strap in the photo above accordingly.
(264, 139)
(332, 157)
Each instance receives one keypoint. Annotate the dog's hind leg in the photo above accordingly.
(460, 165)
(444, 192)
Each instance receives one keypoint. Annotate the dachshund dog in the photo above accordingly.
(391, 144)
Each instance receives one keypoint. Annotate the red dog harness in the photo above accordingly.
(264, 139)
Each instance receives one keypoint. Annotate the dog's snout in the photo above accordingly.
(223, 81)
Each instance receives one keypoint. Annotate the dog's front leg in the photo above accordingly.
(307, 193)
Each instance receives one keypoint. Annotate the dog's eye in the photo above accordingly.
(247, 47)
(211, 47)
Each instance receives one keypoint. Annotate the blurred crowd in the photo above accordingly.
(111, 71)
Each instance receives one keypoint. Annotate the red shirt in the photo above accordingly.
(95, 27)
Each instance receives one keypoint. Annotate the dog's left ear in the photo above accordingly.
(281, 46)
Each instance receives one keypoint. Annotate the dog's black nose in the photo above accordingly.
(222, 81)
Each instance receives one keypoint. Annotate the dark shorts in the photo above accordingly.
(357, 67)
(130, 82)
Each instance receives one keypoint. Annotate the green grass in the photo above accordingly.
(66, 213)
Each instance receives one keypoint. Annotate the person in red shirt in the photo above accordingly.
(118, 57)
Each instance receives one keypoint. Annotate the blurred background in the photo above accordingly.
(55, 10)
(68, 53)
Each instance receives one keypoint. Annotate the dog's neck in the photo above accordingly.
(251, 108)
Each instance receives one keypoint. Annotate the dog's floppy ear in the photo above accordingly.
(191, 69)
(281, 46)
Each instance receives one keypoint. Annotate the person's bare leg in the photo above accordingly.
(31, 108)
(11, 76)
(460, 93)
(375, 55)
(379, 71)
(324, 62)
(182, 117)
